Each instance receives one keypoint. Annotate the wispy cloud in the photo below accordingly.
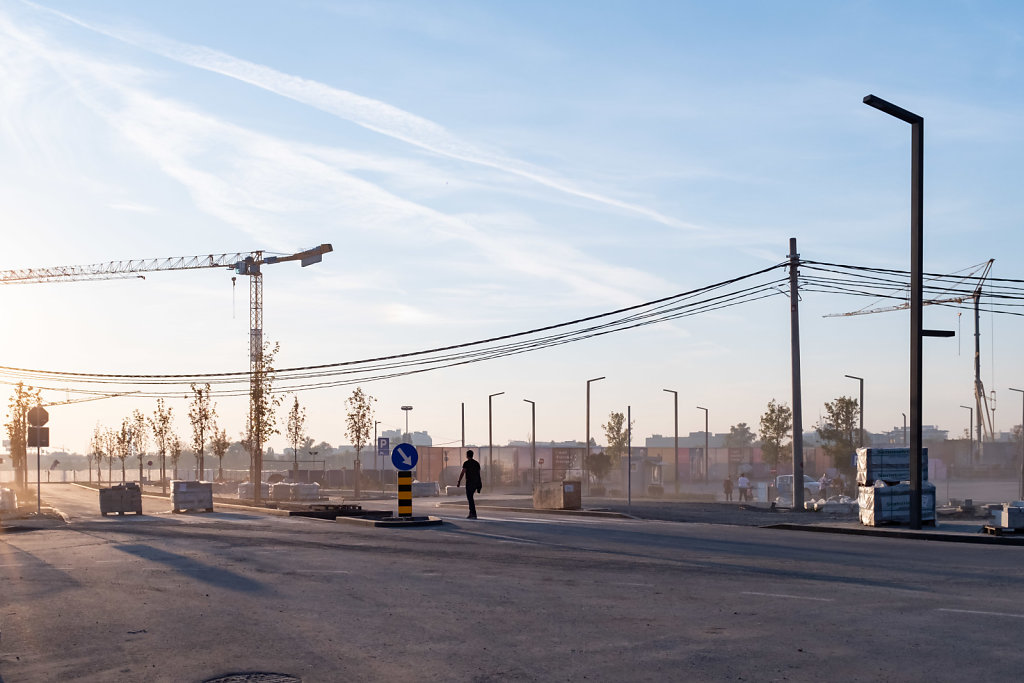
(369, 113)
(266, 186)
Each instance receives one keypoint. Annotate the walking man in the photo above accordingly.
(474, 484)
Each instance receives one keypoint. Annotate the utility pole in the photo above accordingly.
(794, 341)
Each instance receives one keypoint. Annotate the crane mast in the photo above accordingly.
(243, 263)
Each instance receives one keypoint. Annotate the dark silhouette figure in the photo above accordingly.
(727, 488)
(474, 484)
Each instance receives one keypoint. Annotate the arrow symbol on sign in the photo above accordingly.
(407, 458)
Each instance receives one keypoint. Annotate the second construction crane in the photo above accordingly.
(243, 263)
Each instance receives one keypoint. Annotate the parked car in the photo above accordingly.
(784, 485)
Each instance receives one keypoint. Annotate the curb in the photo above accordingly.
(983, 539)
(578, 513)
(393, 522)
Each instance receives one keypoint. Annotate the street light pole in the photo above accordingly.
(533, 438)
(675, 452)
(705, 443)
(860, 407)
(916, 291)
(1021, 391)
(490, 441)
(970, 426)
(586, 458)
(407, 434)
(904, 429)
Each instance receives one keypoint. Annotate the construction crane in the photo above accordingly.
(242, 263)
(983, 411)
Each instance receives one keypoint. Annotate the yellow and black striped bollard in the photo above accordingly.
(405, 494)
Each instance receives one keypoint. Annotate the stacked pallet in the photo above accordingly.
(883, 486)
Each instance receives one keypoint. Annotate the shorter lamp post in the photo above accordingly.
(970, 434)
(706, 442)
(860, 406)
(490, 440)
(533, 438)
(675, 450)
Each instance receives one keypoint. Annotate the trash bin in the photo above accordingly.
(558, 495)
(121, 498)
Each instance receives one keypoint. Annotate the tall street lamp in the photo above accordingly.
(860, 407)
(586, 474)
(970, 425)
(705, 443)
(533, 438)
(407, 434)
(675, 451)
(490, 441)
(1021, 391)
(916, 291)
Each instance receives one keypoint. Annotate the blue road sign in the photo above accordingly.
(383, 446)
(404, 457)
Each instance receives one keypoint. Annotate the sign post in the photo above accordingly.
(383, 450)
(37, 434)
(404, 458)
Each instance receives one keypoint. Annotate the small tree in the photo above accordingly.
(776, 425)
(261, 422)
(160, 422)
(96, 452)
(296, 430)
(219, 444)
(202, 415)
(739, 436)
(839, 430)
(110, 446)
(359, 425)
(174, 446)
(124, 439)
(140, 438)
(23, 400)
(602, 463)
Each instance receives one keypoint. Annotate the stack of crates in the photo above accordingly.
(191, 495)
(121, 498)
(883, 486)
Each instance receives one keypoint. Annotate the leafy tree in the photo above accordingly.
(776, 426)
(174, 446)
(601, 464)
(123, 438)
(219, 444)
(202, 415)
(23, 400)
(160, 422)
(296, 429)
(96, 452)
(739, 436)
(261, 422)
(839, 430)
(140, 438)
(110, 446)
(359, 425)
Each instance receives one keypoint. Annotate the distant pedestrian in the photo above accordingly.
(744, 486)
(474, 484)
(823, 485)
(727, 488)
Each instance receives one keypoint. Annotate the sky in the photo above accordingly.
(485, 168)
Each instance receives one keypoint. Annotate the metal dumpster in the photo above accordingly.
(121, 498)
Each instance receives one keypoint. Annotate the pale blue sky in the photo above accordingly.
(483, 168)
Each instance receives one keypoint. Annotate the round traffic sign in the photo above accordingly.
(38, 416)
(404, 457)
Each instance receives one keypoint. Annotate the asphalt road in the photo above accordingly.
(507, 597)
